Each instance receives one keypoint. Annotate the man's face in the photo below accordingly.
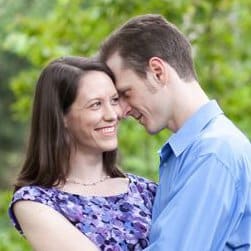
(140, 97)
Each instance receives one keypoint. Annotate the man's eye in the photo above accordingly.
(126, 94)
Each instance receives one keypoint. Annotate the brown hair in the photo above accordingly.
(48, 154)
(147, 36)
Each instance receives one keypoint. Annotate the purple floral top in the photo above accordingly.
(113, 223)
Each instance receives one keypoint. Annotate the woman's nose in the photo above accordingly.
(112, 112)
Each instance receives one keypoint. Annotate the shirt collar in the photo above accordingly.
(180, 140)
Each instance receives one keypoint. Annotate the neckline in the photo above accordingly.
(128, 176)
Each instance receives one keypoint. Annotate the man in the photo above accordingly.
(204, 197)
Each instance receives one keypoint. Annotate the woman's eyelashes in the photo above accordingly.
(115, 100)
(97, 104)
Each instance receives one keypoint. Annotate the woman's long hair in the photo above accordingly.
(47, 161)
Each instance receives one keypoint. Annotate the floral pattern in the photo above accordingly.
(113, 223)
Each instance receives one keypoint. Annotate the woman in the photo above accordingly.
(70, 195)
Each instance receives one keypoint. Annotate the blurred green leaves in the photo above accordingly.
(10, 239)
(33, 32)
(218, 31)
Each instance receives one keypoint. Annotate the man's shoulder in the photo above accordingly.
(221, 132)
(224, 141)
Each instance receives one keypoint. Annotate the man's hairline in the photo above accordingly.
(126, 66)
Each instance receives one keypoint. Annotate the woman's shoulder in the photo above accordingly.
(139, 178)
(28, 193)
(33, 193)
(144, 188)
(142, 181)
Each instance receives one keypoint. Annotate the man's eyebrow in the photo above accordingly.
(122, 92)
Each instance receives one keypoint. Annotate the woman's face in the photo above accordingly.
(93, 116)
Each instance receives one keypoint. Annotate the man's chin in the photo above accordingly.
(152, 131)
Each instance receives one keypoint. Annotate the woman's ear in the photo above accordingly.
(158, 68)
(65, 122)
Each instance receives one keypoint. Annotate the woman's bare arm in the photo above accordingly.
(48, 230)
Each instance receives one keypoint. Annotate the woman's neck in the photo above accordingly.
(86, 167)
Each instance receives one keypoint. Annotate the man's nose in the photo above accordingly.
(125, 108)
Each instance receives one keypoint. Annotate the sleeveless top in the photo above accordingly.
(113, 223)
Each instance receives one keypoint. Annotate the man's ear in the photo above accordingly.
(158, 67)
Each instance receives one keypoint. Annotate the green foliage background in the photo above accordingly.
(33, 32)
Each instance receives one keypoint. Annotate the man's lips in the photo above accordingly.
(141, 120)
(138, 117)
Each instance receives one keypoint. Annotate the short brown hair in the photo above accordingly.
(147, 36)
(47, 159)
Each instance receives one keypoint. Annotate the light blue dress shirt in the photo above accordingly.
(203, 202)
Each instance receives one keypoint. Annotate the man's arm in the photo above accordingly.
(201, 212)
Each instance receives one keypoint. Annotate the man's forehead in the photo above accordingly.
(120, 73)
(121, 88)
(115, 62)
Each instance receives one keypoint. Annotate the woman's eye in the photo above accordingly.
(115, 101)
(95, 105)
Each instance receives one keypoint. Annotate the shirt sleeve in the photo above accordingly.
(197, 214)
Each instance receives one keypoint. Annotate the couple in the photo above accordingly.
(70, 194)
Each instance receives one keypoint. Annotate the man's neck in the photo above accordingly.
(192, 99)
